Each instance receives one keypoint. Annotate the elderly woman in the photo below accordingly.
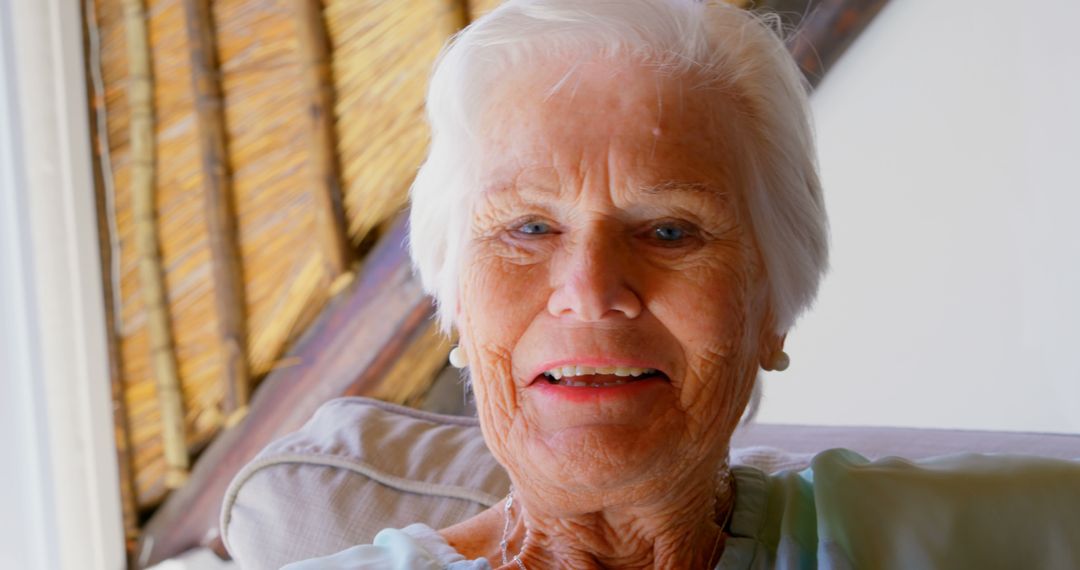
(620, 216)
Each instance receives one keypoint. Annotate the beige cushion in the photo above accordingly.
(356, 467)
(361, 465)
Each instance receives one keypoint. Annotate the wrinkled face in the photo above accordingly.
(610, 237)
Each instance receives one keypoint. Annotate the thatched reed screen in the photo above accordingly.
(247, 151)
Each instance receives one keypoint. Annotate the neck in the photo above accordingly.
(680, 531)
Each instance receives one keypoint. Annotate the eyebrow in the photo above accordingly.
(504, 188)
(682, 186)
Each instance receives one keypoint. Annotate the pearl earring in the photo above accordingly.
(458, 358)
(779, 361)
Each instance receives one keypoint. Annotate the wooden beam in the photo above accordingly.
(220, 208)
(151, 272)
(463, 12)
(317, 77)
(825, 29)
(350, 349)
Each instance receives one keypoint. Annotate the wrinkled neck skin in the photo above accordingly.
(681, 529)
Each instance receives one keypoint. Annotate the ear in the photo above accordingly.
(769, 341)
(774, 344)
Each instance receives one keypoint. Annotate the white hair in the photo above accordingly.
(726, 46)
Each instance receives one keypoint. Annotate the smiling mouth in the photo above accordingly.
(599, 377)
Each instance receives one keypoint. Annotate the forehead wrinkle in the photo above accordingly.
(667, 142)
(514, 185)
(667, 187)
(680, 186)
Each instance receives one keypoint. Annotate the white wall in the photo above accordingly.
(59, 486)
(25, 522)
(950, 138)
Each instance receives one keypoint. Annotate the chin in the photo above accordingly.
(597, 458)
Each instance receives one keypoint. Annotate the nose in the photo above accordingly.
(591, 280)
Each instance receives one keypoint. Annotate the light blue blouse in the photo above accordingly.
(963, 511)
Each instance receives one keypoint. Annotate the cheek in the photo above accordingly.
(499, 300)
(709, 311)
(705, 306)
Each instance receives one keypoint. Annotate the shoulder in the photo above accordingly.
(415, 547)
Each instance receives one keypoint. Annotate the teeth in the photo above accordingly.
(573, 371)
(578, 384)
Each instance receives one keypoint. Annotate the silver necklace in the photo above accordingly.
(506, 534)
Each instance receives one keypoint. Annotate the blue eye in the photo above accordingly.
(669, 232)
(534, 228)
